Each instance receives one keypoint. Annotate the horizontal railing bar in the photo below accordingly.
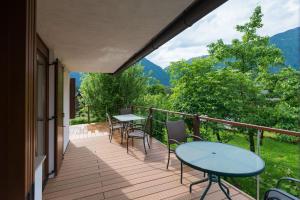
(173, 112)
(223, 121)
(262, 128)
(158, 121)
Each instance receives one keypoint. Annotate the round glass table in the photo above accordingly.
(217, 159)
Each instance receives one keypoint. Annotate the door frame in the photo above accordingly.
(43, 50)
(58, 124)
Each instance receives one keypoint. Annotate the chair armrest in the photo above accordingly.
(173, 140)
(286, 179)
(195, 137)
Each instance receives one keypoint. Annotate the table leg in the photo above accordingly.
(212, 179)
(123, 130)
(206, 190)
(222, 186)
(197, 182)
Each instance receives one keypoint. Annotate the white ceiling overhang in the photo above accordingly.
(102, 35)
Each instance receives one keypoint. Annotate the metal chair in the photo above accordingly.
(140, 133)
(114, 126)
(177, 135)
(278, 194)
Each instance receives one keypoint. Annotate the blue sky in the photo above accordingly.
(279, 16)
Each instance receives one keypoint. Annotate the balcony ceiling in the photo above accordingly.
(101, 35)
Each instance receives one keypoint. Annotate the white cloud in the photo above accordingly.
(279, 16)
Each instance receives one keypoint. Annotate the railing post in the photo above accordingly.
(151, 121)
(89, 119)
(259, 132)
(132, 109)
(196, 125)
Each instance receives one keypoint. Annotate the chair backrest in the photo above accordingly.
(277, 194)
(109, 120)
(147, 125)
(176, 130)
(124, 111)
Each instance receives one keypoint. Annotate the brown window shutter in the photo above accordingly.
(72, 98)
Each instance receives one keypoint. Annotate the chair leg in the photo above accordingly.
(144, 145)
(110, 135)
(181, 172)
(147, 137)
(122, 131)
(127, 144)
(168, 157)
(132, 141)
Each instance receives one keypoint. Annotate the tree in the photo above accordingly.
(251, 54)
(203, 88)
(108, 93)
(284, 98)
(231, 81)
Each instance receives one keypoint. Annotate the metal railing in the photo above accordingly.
(197, 120)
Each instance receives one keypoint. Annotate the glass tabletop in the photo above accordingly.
(128, 117)
(220, 159)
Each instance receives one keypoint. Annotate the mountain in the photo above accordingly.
(289, 43)
(155, 71)
(149, 68)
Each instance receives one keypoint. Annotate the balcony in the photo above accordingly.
(94, 168)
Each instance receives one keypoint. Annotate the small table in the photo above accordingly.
(217, 159)
(128, 118)
(125, 119)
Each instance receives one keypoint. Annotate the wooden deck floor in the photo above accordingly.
(94, 168)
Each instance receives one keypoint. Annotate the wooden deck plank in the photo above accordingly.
(93, 169)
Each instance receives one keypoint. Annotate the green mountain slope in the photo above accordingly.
(289, 43)
(155, 71)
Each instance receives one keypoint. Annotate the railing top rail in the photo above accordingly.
(174, 112)
(262, 128)
(231, 123)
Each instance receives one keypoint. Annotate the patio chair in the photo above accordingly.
(177, 135)
(140, 133)
(279, 194)
(114, 126)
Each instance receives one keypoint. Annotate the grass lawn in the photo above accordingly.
(281, 158)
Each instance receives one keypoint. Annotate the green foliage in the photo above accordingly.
(234, 82)
(107, 93)
(283, 98)
(252, 53)
(82, 120)
(156, 89)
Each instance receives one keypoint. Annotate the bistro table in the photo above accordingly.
(125, 119)
(217, 160)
